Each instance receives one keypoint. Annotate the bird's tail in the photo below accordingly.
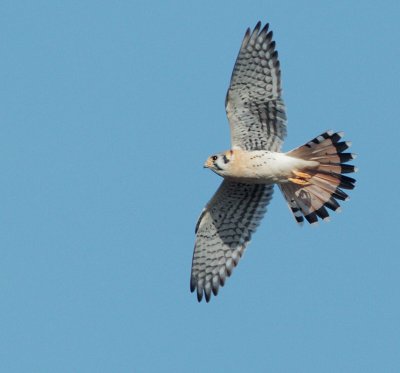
(310, 191)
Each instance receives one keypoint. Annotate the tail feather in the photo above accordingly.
(331, 188)
(335, 158)
(323, 184)
(338, 168)
(325, 197)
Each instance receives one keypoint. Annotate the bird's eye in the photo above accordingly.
(214, 158)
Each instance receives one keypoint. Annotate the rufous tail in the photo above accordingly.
(311, 191)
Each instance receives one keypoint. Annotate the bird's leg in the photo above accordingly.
(301, 178)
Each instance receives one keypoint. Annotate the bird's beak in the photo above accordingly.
(208, 163)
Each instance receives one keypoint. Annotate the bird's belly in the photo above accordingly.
(262, 175)
(262, 167)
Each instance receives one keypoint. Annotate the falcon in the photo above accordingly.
(311, 177)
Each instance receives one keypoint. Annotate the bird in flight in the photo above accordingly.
(311, 177)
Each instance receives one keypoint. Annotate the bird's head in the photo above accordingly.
(220, 163)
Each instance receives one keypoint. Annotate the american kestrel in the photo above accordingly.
(311, 177)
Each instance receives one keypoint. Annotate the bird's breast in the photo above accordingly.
(262, 167)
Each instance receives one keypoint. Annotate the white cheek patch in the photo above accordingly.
(217, 166)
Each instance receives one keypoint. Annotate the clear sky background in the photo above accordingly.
(108, 111)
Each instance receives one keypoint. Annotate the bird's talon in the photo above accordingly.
(301, 178)
(302, 175)
(298, 181)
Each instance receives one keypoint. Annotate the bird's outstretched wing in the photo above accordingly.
(254, 105)
(223, 231)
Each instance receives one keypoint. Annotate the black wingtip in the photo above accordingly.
(265, 29)
(272, 46)
(192, 285)
(245, 40)
(258, 26)
(269, 36)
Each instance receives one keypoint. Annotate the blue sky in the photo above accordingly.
(108, 111)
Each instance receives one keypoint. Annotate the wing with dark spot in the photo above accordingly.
(224, 229)
(254, 105)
